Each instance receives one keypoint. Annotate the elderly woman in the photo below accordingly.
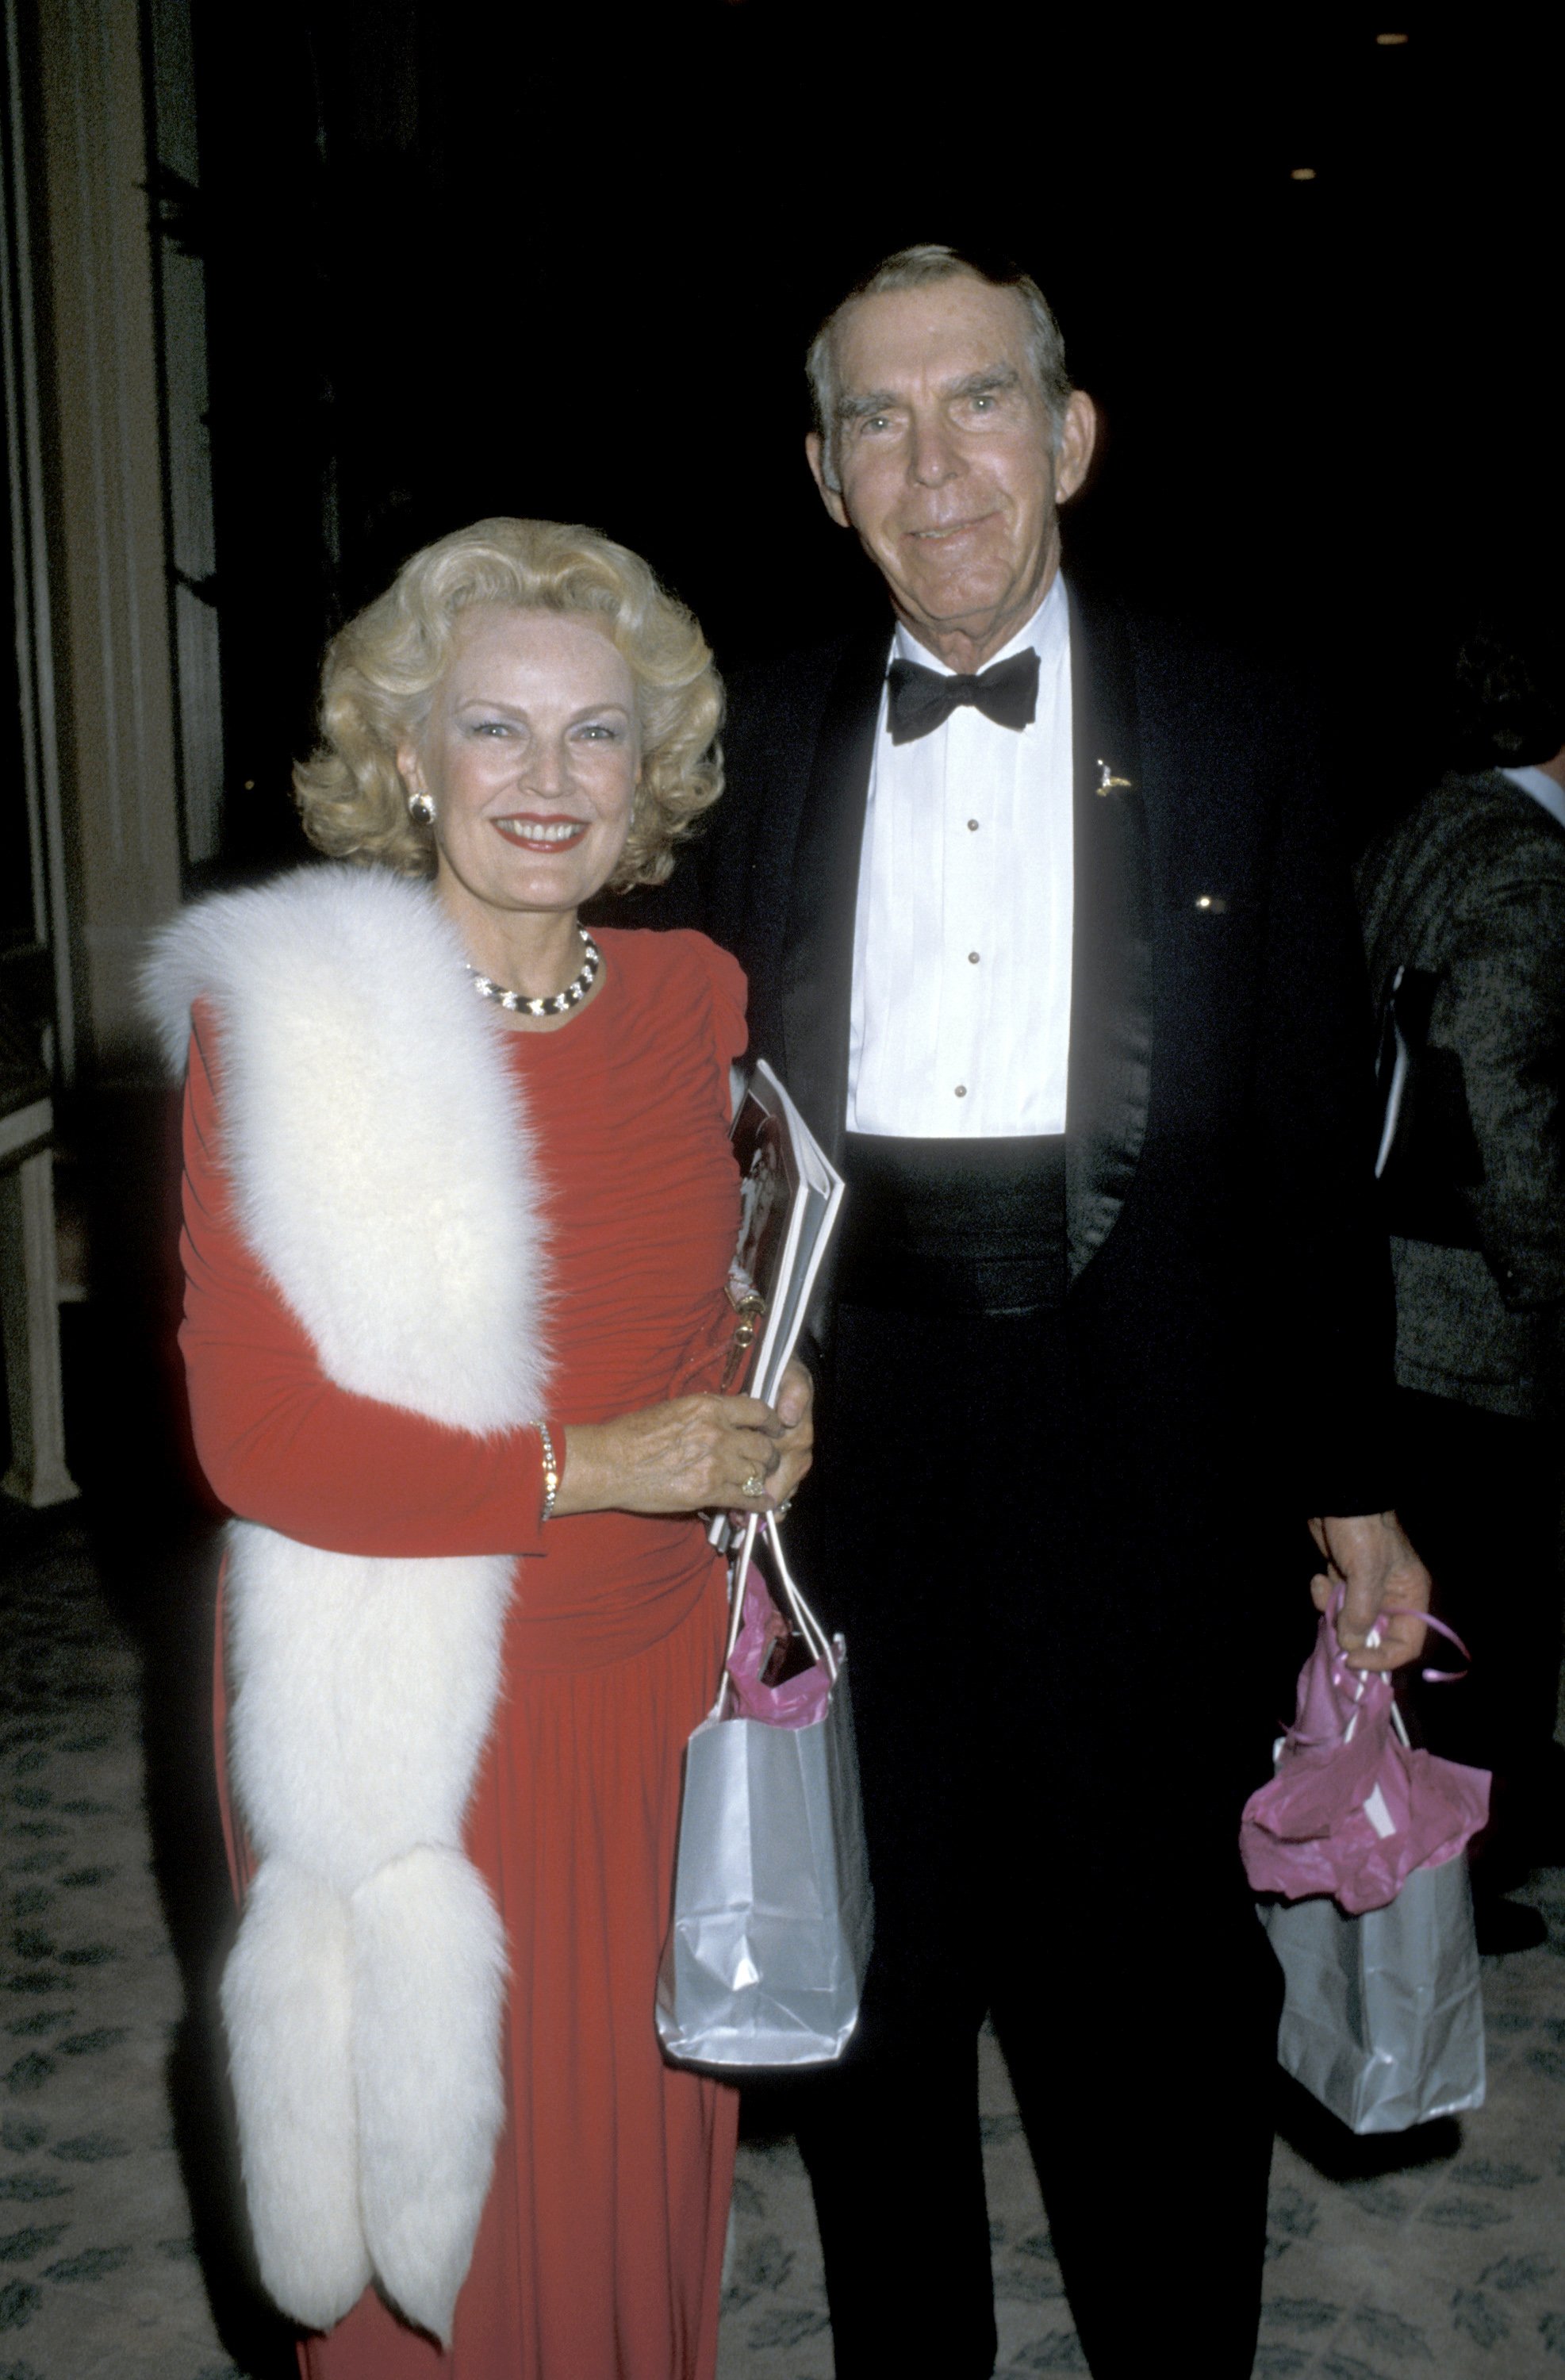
(458, 1210)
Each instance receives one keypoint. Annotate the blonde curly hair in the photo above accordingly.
(382, 669)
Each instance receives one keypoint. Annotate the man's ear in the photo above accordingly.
(1077, 438)
(830, 497)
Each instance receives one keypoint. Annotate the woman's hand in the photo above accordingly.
(795, 1411)
(694, 1454)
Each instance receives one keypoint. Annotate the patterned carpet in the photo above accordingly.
(1443, 2252)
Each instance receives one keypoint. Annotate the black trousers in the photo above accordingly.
(1481, 1502)
(1052, 1778)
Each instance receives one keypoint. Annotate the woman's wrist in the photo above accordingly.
(554, 1469)
(580, 1486)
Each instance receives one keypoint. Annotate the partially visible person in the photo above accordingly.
(1464, 918)
(459, 1206)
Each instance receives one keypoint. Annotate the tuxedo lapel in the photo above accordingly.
(1109, 1073)
(823, 894)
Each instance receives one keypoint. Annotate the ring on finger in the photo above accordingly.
(753, 1485)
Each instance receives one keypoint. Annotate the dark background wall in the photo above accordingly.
(565, 260)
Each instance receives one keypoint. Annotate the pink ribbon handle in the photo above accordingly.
(1355, 1682)
(1432, 1677)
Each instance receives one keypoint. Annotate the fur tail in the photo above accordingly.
(429, 1980)
(287, 2008)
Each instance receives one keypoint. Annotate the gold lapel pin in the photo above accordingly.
(1108, 783)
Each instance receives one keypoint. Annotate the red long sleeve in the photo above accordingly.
(279, 1443)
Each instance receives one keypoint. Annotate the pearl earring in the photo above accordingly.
(420, 808)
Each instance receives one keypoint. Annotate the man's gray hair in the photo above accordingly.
(915, 268)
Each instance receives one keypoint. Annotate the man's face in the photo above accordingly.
(945, 451)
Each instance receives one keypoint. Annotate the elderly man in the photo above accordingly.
(1043, 933)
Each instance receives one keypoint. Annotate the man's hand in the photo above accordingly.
(1368, 1555)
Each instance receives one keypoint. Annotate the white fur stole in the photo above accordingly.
(383, 1172)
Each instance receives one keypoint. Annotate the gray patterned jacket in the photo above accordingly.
(1468, 893)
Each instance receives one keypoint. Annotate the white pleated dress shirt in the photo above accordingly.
(961, 1018)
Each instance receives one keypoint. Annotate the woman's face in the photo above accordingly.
(530, 754)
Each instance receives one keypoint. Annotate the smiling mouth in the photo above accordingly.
(540, 833)
(943, 530)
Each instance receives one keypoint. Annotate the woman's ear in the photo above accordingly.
(407, 767)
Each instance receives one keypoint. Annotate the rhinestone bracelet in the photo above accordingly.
(551, 1474)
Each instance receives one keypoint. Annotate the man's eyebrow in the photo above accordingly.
(859, 408)
(984, 383)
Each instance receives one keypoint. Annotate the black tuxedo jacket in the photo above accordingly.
(1230, 1286)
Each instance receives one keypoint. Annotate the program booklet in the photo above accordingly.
(789, 1193)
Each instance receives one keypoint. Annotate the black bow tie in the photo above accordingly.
(923, 700)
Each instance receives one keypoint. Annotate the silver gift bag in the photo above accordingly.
(772, 1912)
(1383, 2021)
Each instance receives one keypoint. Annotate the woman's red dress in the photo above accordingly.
(600, 2251)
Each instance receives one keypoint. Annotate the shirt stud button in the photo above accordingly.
(971, 959)
(960, 1090)
(972, 826)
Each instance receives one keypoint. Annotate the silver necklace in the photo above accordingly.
(555, 1004)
